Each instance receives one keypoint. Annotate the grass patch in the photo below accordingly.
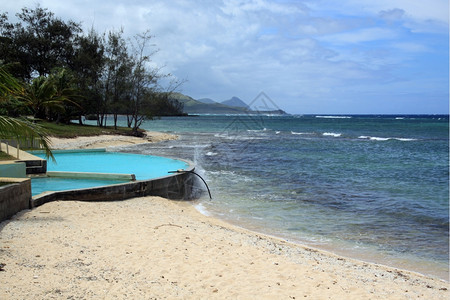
(74, 130)
(4, 156)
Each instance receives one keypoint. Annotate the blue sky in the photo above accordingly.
(316, 56)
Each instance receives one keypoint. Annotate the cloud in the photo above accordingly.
(392, 15)
(309, 56)
(362, 35)
(420, 16)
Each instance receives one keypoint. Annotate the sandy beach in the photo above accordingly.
(106, 141)
(154, 248)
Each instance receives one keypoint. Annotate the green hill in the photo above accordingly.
(192, 106)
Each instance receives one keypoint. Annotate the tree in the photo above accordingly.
(39, 43)
(49, 97)
(109, 77)
(18, 128)
(144, 83)
(67, 92)
(164, 104)
(88, 65)
(39, 96)
(117, 76)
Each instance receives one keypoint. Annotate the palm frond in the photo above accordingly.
(24, 131)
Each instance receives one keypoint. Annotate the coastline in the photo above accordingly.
(152, 247)
(105, 141)
(345, 250)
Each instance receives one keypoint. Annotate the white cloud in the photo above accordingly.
(301, 53)
(411, 47)
(392, 15)
(362, 35)
(428, 16)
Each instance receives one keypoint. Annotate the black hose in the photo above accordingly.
(192, 172)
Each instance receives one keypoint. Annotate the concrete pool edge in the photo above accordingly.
(177, 186)
(14, 196)
(91, 175)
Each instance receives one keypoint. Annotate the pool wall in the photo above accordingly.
(178, 186)
(14, 197)
(13, 169)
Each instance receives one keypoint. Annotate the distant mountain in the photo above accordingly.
(192, 106)
(207, 100)
(236, 102)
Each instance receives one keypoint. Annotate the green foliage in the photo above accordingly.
(87, 67)
(73, 130)
(4, 156)
(117, 76)
(69, 74)
(164, 104)
(39, 43)
(40, 97)
(19, 129)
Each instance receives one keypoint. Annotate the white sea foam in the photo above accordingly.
(300, 133)
(334, 117)
(238, 137)
(211, 153)
(231, 176)
(256, 130)
(277, 132)
(201, 209)
(222, 172)
(332, 134)
(405, 139)
(375, 138)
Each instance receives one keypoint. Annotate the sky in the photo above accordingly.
(307, 57)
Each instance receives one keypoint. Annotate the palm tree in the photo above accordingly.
(66, 92)
(40, 97)
(48, 97)
(19, 129)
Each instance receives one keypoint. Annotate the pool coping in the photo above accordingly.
(176, 186)
(91, 175)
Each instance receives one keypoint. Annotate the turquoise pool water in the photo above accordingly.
(143, 166)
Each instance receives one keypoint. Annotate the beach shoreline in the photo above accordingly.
(153, 247)
(343, 250)
(112, 141)
(108, 141)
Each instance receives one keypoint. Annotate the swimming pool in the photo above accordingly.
(99, 161)
(43, 184)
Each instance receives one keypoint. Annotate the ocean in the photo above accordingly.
(371, 187)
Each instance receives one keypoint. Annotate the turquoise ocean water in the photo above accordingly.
(371, 187)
